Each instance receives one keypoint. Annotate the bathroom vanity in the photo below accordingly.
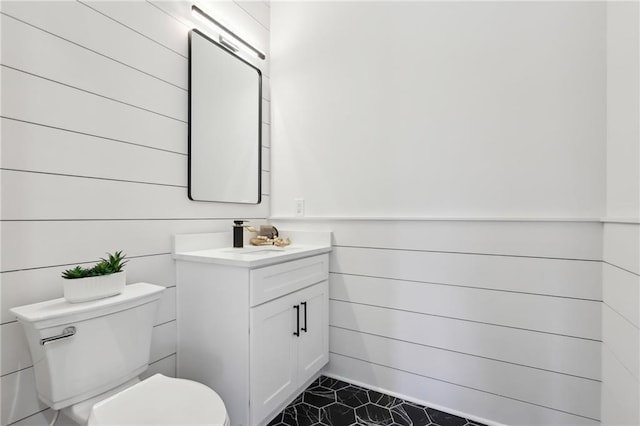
(252, 322)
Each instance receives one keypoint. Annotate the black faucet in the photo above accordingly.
(238, 233)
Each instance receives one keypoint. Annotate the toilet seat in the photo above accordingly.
(160, 400)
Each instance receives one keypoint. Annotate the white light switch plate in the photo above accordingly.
(299, 207)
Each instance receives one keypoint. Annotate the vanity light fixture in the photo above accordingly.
(228, 44)
(227, 37)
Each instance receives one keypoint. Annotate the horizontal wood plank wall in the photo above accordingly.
(496, 320)
(94, 158)
(621, 325)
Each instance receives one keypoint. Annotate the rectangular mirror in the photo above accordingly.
(225, 115)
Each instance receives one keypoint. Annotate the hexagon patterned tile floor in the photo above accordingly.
(331, 402)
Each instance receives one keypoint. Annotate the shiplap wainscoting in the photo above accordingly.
(621, 243)
(94, 157)
(495, 320)
(621, 325)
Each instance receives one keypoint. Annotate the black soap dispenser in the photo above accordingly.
(238, 233)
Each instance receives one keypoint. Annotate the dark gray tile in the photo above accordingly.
(331, 383)
(352, 396)
(276, 421)
(410, 415)
(445, 419)
(285, 417)
(298, 399)
(319, 396)
(332, 402)
(383, 400)
(400, 417)
(301, 414)
(315, 384)
(338, 415)
(372, 414)
(289, 415)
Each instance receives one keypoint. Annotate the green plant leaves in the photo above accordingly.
(111, 265)
(77, 272)
(115, 262)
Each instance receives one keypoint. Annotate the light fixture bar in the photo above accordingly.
(224, 31)
(228, 44)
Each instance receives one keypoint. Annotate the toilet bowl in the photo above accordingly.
(88, 356)
(161, 401)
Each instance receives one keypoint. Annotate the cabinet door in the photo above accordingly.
(273, 355)
(313, 344)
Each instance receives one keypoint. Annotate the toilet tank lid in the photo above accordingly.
(58, 311)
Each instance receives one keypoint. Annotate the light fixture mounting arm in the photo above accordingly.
(226, 33)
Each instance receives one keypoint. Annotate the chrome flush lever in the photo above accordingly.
(67, 332)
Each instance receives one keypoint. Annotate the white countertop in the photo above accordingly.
(251, 257)
(248, 256)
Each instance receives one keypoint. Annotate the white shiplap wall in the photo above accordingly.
(498, 321)
(94, 157)
(621, 242)
(621, 325)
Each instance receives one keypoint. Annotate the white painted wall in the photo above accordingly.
(621, 266)
(445, 109)
(94, 144)
(623, 110)
(450, 110)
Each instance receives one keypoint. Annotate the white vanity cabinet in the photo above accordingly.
(256, 335)
(289, 344)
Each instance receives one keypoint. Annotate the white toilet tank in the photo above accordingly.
(107, 344)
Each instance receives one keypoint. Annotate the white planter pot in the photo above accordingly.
(91, 288)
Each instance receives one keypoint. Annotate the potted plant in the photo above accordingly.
(106, 278)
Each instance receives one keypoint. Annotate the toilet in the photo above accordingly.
(87, 358)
